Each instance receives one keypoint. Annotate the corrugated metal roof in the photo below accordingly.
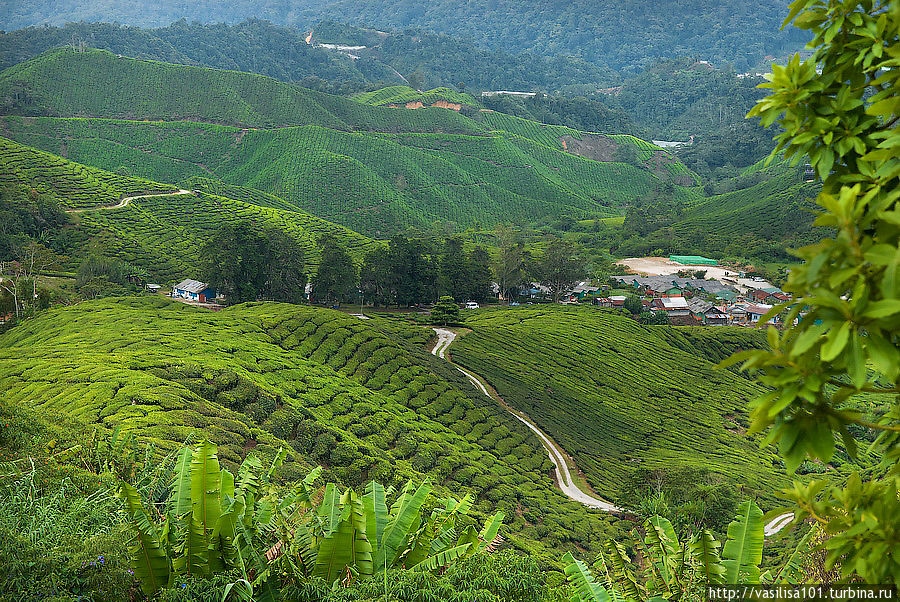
(191, 286)
(674, 303)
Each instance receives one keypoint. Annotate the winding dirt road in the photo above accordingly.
(127, 200)
(563, 476)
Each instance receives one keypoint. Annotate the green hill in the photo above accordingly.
(617, 35)
(162, 234)
(73, 184)
(400, 95)
(374, 183)
(761, 221)
(619, 396)
(362, 398)
(98, 83)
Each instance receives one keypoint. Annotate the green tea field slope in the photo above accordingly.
(98, 83)
(763, 220)
(619, 396)
(339, 391)
(374, 183)
(400, 95)
(76, 186)
(374, 169)
(162, 234)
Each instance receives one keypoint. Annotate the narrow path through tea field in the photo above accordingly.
(127, 200)
(563, 476)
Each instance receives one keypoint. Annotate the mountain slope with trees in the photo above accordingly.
(624, 36)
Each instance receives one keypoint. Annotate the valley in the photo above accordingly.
(359, 303)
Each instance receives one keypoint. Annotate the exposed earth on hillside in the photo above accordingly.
(663, 266)
(591, 146)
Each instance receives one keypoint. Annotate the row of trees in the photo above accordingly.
(247, 264)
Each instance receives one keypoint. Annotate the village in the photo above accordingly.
(688, 290)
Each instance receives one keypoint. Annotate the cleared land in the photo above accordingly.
(660, 266)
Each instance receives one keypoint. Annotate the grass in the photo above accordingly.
(619, 396)
(361, 397)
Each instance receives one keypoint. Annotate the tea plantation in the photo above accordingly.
(75, 185)
(161, 234)
(98, 83)
(374, 169)
(400, 95)
(373, 183)
(619, 396)
(338, 391)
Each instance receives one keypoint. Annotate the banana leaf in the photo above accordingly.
(742, 553)
(151, 565)
(582, 581)
(705, 552)
(206, 480)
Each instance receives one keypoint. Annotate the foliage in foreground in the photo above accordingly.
(841, 107)
(215, 523)
(678, 570)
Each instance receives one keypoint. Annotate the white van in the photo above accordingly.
(471, 305)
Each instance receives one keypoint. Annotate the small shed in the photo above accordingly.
(193, 290)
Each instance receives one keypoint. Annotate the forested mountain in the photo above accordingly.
(621, 35)
(258, 46)
(672, 100)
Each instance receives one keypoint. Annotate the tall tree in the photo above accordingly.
(376, 278)
(234, 262)
(453, 273)
(509, 266)
(560, 267)
(336, 278)
(478, 279)
(286, 277)
(413, 271)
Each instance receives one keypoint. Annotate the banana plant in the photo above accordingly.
(213, 522)
(680, 570)
(349, 537)
(210, 523)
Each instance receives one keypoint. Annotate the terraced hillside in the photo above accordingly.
(374, 169)
(73, 184)
(763, 220)
(162, 234)
(344, 393)
(619, 396)
(98, 83)
(400, 95)
(374, 183)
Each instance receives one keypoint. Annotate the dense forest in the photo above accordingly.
(258, 46)
(621, 36)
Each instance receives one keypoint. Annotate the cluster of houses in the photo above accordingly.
(688, 301)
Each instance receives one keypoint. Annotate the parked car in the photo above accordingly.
(472, 305)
